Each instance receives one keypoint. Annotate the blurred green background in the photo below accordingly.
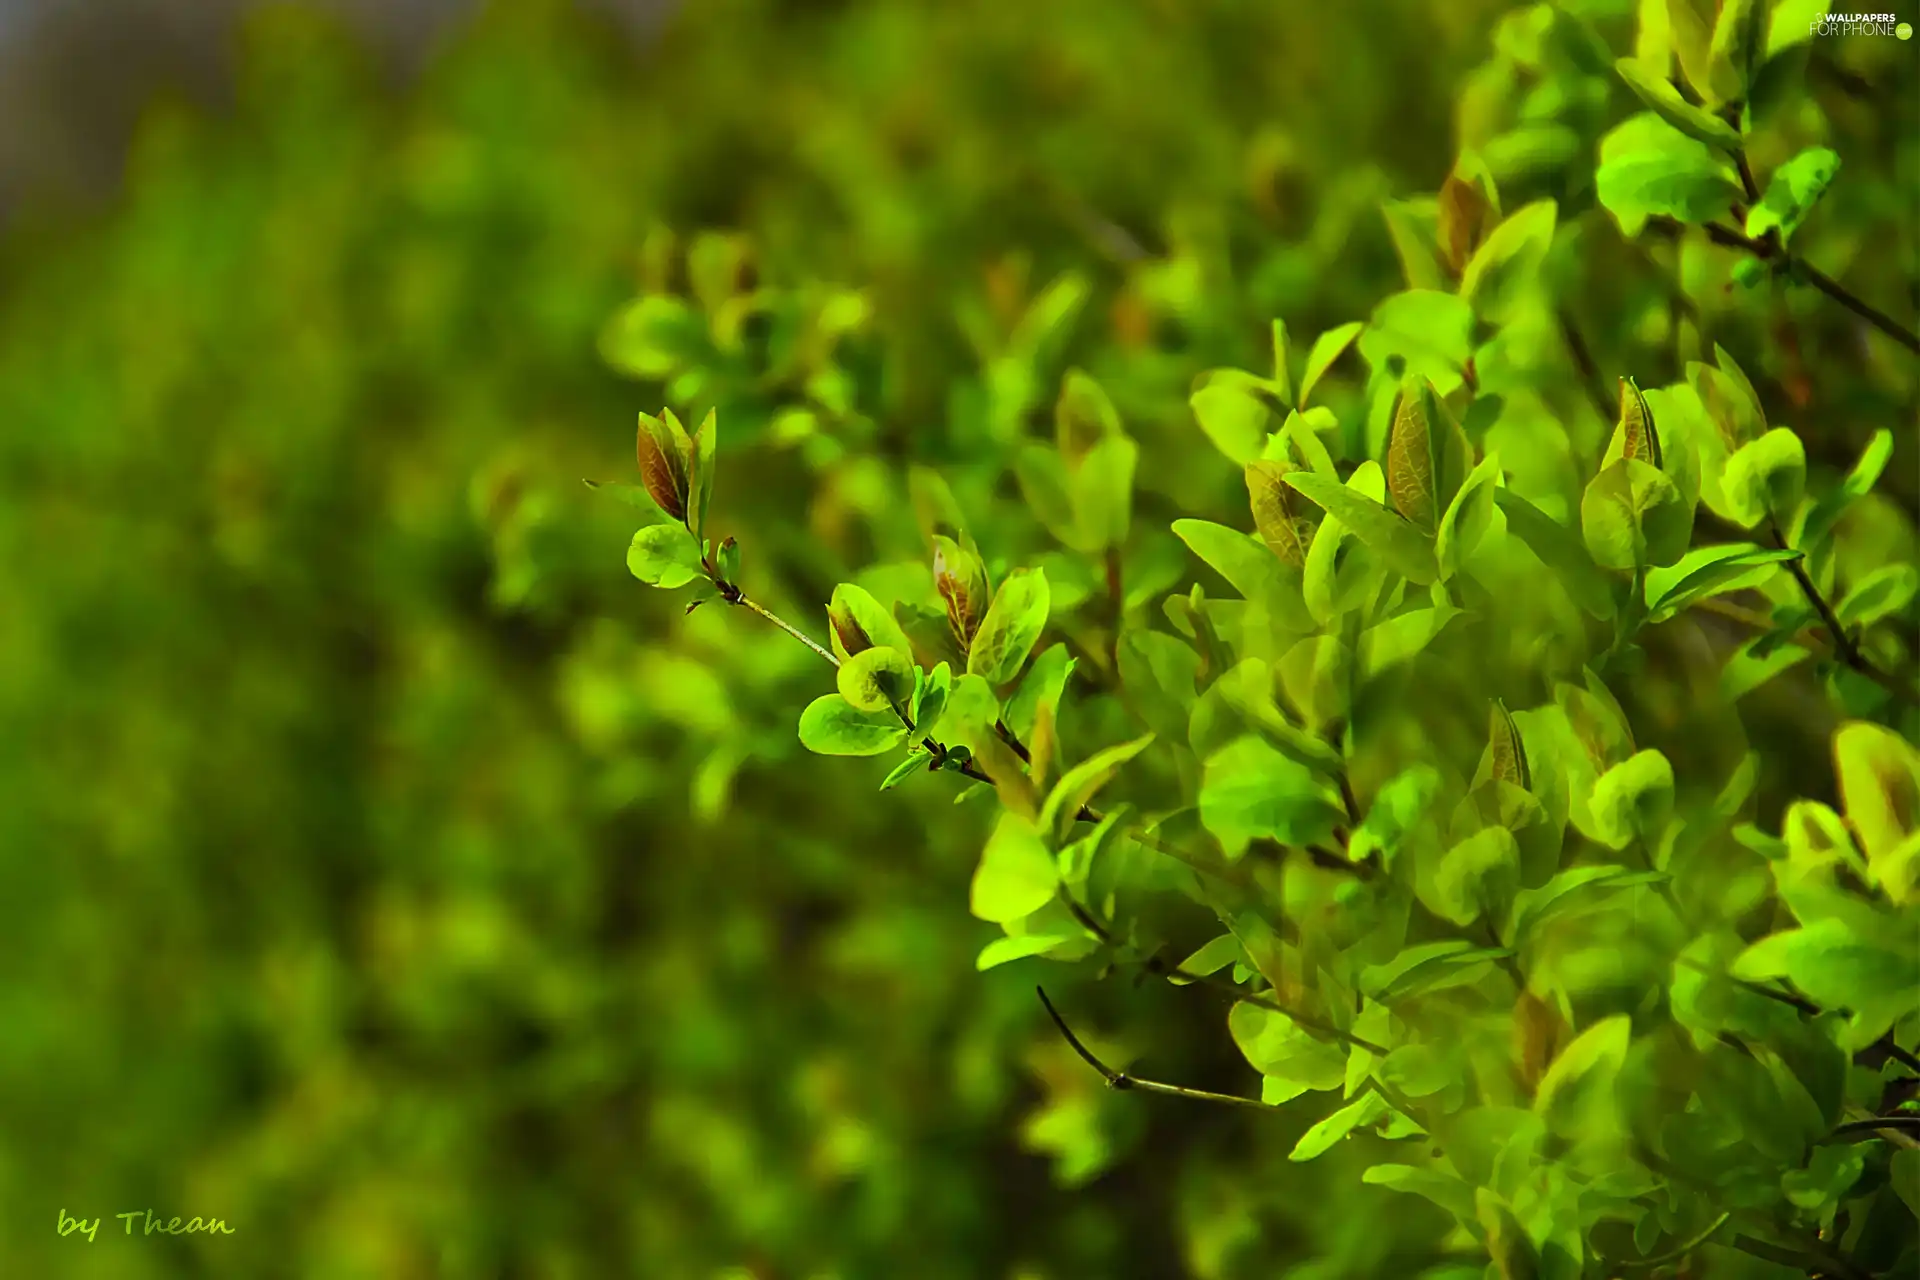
(382, 869)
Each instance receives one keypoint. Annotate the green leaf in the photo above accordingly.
(1006, 950)
(832, 726)
(1048, 490)
(1858, 484)
(1016, 875)
(1632, 516)
(1246, 564)
(930, 698)
(1211, 958)
(704, 450)
(1327, 348)
(1160, 671)
(1081, 783)
(1739, 46)
(1012, 626)
(1632, 799)
(1417, 1070)
(1659, 94)
(1833, 965)
(1043, 686)
(876, 679)
(1430, 331)
(1560, 550)
(1397, 541)
(1083, 417)
(1399, 638)
(1452, 1194)
(1292, 1061)
(1103, 492)
(1581, 1080)
(1566, 891)
(654, 337)
(1710, 571)
(665, 458)
(1251, 791)
(1248, 689)
(856, 622)
(1509, 262)
(916, 762)
(665, 555)
(1368, 1109)
(1506, 750)
(1396, 811)
(1284, 520)
(1792, 191)
(1427, 458)
(1879, 775)
(1282, 378)
(1236, 421)
(1415, 227)
(1477, 876)
(1429, 967)
(1766, 478)
(1648, 170)
(1467, 517)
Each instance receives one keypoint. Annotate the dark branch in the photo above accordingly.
(1121, 1080)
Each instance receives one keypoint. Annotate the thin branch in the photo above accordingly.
(1885, 1044)
(1591, 379)
(1767, 252)
(1675, 1254)
(734, 595)
(1875, 1126)
(1843, 644)
(1815, 1259)
(1121, 1080)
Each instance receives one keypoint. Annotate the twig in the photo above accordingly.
(1843, 644)
(1891, 1124)
(1121, 1080)
(1767, 252)
(1675, 1254)
(1886, 1043)
(734, 595)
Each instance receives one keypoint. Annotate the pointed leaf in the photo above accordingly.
(1011, 627)
(1399, 543)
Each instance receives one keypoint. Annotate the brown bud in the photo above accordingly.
(962, 581)
(663, 468)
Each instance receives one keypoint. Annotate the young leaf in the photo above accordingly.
(1282, 377)
(1886, 591)
(1326, 349)
(1477, 876)
(1560, 550)
(1636, 432)
(961, 578)
(1467, 517)
(1632, 516)
(1234, 420)
(664, 456)
(1048, 489)
(1247, 565)
(1766, 478)
(1081, 783)
(1103, 492)
(1657, 93)
(1792, 191)
(1016, 875)
(1507, 750)
(877, 679)
(916, 762)
(1430, 331)
(1648, 170)
(1370, 1108)
(1632, 799)
(1284, 520)
(1083, 417)
(1251, 791)
(700, 468)
(1466, 214)
(832, 726)
(856, 623)
(1414, 227)
(664, 555)
(1713, 571)
(1011, 627)
(1581, 1080)
(1879, 773)
(1509, 262)
(1043, 686)
(1292, 1061)
(1739, 46)
(1395, 540)
(1858, 484)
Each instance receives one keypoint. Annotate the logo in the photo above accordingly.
(1859, 24)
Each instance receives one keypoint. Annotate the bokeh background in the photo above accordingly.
(382, 869)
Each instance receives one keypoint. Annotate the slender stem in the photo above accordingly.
(1878, 1124)
(1826, 284)
(1591, 379)
(1121, 1080)
(1677, 1253)
(744, 602)
(1814, 1259)
(1843, 644)
(1886, 1043)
